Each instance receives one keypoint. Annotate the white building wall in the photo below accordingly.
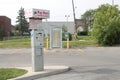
(48, 25)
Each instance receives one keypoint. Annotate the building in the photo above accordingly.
(70, 26)
(5, 23)
(48, 25)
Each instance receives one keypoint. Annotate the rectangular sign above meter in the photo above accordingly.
(37, 13)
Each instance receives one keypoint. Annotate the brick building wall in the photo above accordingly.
(5, 23)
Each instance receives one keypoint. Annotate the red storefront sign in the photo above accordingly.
(37, 13)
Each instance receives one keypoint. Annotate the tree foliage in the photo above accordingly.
(64, 28)
(65, 32)
(88, 18)
(22, 24)
(106, 26)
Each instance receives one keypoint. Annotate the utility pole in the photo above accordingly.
(113, 2)
(75, 29)
(67, 16)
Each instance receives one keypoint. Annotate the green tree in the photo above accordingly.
(88, 18)
(22, 24)
(106, 26)
(64, 28)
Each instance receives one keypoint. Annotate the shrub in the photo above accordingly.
(106, 26)
(64, 37)
(83, 33)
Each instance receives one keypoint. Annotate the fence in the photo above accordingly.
(15, 37)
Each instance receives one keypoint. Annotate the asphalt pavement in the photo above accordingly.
(88, 63)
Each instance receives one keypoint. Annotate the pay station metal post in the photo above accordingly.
(37, 38)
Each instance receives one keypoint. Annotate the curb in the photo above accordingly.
(48, 71)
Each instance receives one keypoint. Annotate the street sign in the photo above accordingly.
(35, 23)
(37, 13)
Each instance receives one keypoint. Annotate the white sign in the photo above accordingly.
(37, 13)
(34, 24)
(56, 37)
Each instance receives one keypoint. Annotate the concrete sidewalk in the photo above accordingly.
(48, 71)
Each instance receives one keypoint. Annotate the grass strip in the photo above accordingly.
(8, 73)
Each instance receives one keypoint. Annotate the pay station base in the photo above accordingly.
(38, 64)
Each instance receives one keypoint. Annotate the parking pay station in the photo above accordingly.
(37, 37)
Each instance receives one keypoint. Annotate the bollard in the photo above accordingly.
(68, 45)
(47, 43)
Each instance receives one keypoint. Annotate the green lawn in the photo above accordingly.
(8, 73)
(82, 41)
(26, 42)
(16, 43)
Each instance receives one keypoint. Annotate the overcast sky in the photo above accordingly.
(58, 8)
